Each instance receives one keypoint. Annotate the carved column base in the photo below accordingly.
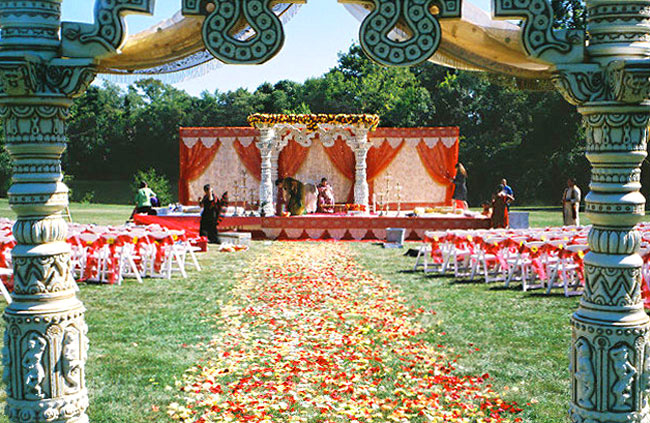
(607, 384)
(47, 384)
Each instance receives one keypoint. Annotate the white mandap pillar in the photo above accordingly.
(360, 145)
(266, 145)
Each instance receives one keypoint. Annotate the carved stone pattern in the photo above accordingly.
(584, 376)
(58, 198)
(617, 132)
(33, 362)
(267, 145)
(28, 124)
(220, 22)
(52, 357)
(614, 208)
(610, 241)
(580, 84)
(620, 176)
(39, 275)
(60, 318)
(607, 384)
(40, 231)
(625, 373)
(539, 37)
(44, 167)
(73, 407)
(107, 33)
(616, 287)
(55, 77)
(43, 19)
(604, 21)
(421, 24)
(629, 83)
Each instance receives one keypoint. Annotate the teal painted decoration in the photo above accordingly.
(416, 19)
(540, 39)
(225, 19)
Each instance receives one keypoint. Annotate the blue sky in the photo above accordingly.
(314, 37)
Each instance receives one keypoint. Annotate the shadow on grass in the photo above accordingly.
(544, 294)
(511, 288)
(468, 282)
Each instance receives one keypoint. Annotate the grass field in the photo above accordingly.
(142, 337)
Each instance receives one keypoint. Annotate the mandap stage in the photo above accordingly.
(323, 227)
(420, 160)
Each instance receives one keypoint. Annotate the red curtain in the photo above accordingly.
(379, 158)
(440, 163)
(250, 157)
(343, 159)
(193, 162)
(291, 158)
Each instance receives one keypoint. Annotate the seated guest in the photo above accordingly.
(325, 197)
(143, 200)
(487, 209)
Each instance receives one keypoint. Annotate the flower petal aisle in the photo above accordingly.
(310, 336)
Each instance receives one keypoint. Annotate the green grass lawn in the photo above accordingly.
(522, 338)
(100, 214)
(142, 337)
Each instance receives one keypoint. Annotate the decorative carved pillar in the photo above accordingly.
(609, 81)
(266, 145)
(610, 354)
(275, 158)
(45, 344)
(360, 145)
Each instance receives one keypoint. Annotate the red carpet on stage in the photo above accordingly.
(323, 226)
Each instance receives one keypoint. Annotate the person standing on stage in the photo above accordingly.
(208, 225)
(571, 204)
(460, 186)
(325, 197)
(500, 202)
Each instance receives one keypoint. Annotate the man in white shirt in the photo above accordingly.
(571, 204)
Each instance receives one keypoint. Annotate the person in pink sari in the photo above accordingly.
(325, 197)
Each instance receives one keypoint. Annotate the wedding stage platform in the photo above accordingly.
(324, 226)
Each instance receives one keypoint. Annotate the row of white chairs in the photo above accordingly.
(112, 254)
(537, 259)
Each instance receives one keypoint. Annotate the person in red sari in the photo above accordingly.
(500, 202)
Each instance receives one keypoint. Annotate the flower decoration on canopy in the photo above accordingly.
(312, 121)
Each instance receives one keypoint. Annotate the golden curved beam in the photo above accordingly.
(474, 42)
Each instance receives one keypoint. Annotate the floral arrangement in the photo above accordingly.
(355, 207)
(312, 121)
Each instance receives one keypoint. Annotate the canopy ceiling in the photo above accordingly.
(474, 42)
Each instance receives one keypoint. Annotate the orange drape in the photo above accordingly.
(250, 157)
(378, 160)
(193, 162)
(342, 157)
(291, 158)
(440, 163)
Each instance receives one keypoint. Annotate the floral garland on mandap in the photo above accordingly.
(312, 121)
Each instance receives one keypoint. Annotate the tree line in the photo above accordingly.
(533, 138)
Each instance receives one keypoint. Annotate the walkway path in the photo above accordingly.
(310, 336)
